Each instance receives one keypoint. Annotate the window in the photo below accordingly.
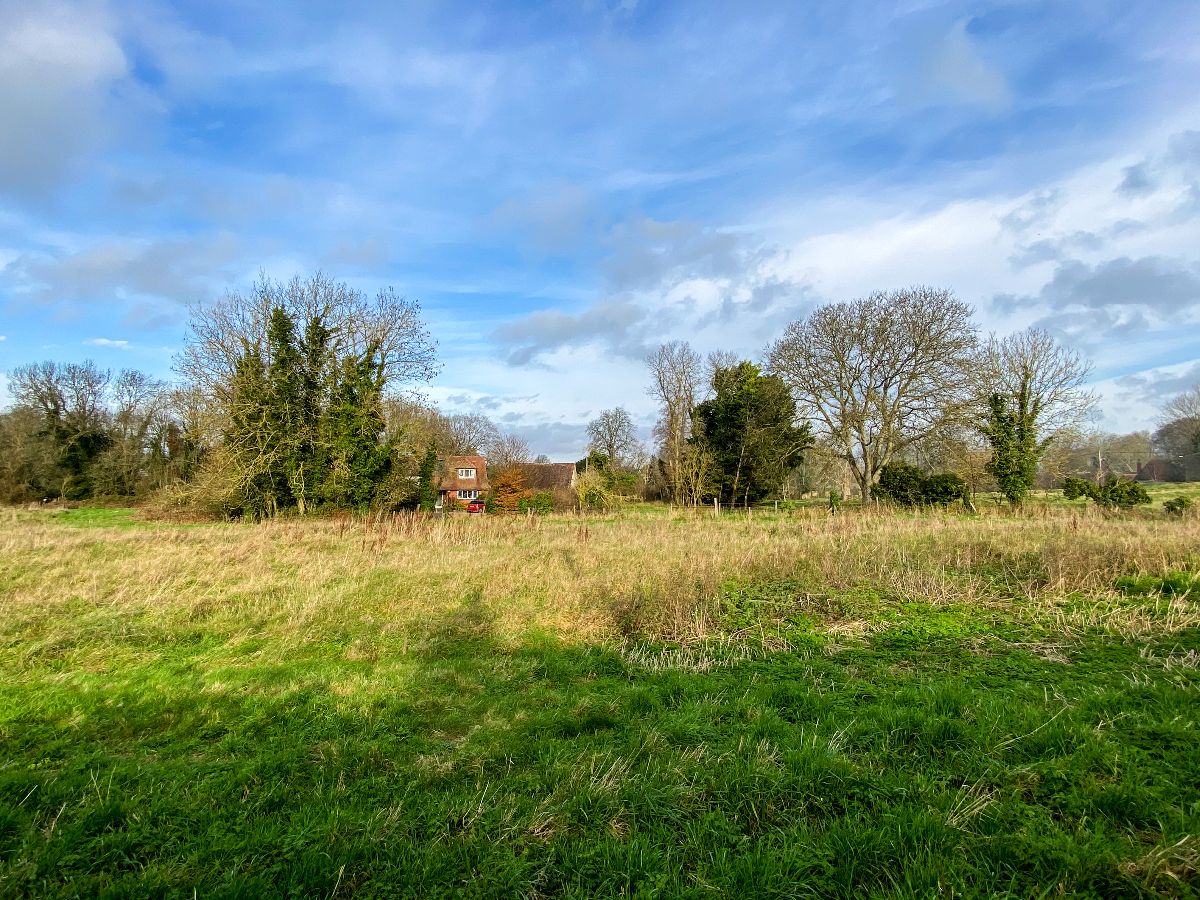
(468, 495)
(466, 473)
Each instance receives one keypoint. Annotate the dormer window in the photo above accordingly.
(466, 473)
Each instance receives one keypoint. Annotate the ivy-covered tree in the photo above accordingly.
(359, 459)
(1029, 390)
(427, 488)
(749, 431)
(298, 371)
(1011, 429)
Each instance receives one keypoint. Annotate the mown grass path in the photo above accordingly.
(306, 728)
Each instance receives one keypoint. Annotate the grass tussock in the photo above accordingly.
(591, 579)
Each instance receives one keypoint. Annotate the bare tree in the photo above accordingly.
(674, 382)
(1031, 362)
(72, 396)
(505, 451)
(218, 333)
(877, 374)
(613, 434)
(412, 425)
(1184, 405)
(137, 418)
(471, 433)
(716, 361)
(1178, 434)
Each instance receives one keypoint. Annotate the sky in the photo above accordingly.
(563, 186)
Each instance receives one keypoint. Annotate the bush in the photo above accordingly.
(902, 483)
(541, 503)
(908, 485)
(1074, 488)
(1177, 506)
(944, 488)
(593, 491)
(1115, 492)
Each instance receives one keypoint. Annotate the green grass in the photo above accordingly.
(821, 742)
(99, 517)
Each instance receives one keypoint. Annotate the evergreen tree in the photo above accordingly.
(316, 382)
(749, 429)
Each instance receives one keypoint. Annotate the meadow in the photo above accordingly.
(647, 703)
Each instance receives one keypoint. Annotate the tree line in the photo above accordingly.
(898, 378)
(301, 395)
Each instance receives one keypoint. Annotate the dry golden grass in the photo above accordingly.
(583, 579)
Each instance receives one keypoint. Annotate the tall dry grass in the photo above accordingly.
(582, 579)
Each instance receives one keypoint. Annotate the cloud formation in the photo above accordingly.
(62, 75)
(152, 279)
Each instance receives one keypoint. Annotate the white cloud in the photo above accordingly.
(152, 280)
(107, 342)
(59, 67)
(1114, 274)
(1134, 402)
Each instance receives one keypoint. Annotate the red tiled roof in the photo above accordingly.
(449, 473)
(543, 476)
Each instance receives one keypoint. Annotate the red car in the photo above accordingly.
(475, 506)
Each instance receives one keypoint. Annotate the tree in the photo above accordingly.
(358, 461)
(28, 458)
(508, 490)
(1184, 405)
(1029, 390)
(218, 333)
(1178, 435)
(298, 373)
(1015, 447)
(612, 433)
(505, 451)
(137, 429)
(878, 374)
(749, 429)
(427, 488)
(72, 400)
(674, 382)
(471, 433)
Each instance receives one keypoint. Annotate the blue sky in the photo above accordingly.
(562, 186)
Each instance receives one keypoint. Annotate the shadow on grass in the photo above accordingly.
(449, 762)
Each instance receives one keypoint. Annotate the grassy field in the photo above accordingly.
(646, 704)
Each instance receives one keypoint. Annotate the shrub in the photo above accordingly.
(541, 503)
(508, 492)
(1114, 492)
(944, 488)
(902, 483)
(593, 490)
(1177, 506)
(908, 485)
(1074, 488)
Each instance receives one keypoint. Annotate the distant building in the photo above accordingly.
(548, 476)
(1161, 470)
(461, 478)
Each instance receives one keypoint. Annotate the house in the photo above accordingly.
(1161, 470)
(548, 476)
(461, 478)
